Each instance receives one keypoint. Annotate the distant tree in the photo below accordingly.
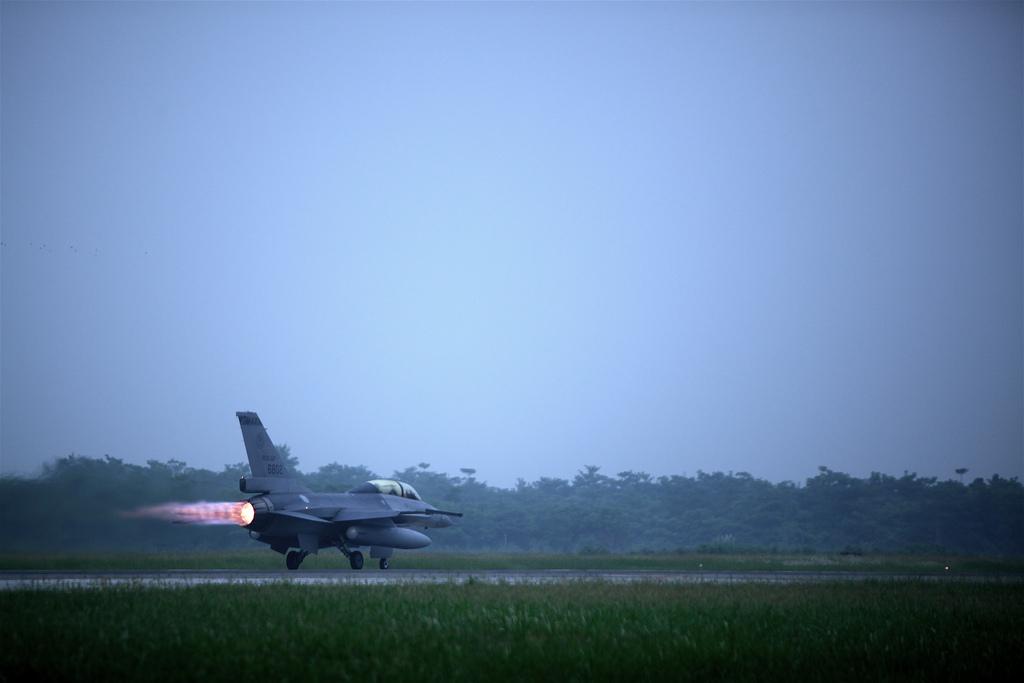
(286, 453)
(238, 470)
(78, 503)
(337, 477)
(631, 478)
(590, 477)
(177, 467)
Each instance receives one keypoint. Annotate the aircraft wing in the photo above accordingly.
(355, 515)
(302, 516)
(428, 513)
(442, 512)
(289, 522)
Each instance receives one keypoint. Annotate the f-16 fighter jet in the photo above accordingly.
(382, 514)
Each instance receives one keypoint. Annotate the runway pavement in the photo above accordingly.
(12, 580)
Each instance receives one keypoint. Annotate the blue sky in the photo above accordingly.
(517, 237)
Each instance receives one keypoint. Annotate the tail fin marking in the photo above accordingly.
(264, 458)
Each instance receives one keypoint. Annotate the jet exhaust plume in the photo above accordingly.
(201, 512)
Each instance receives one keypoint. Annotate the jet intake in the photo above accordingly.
(390, 536)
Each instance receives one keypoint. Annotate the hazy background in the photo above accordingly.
(515, 237)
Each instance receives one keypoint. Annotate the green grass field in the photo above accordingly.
(571, 632)
(262, 559)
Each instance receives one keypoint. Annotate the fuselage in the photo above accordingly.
(356, 519)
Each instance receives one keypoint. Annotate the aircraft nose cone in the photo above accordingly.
(442, 521)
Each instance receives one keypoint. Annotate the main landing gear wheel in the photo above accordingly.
(356, 559)
(294, 558)
(384, 564)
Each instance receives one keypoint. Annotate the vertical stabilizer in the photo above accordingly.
(264, 458)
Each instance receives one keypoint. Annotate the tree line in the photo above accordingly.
(78, 503)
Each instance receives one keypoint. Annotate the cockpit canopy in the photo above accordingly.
(390, 487)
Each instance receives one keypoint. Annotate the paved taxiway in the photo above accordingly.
(10, 580)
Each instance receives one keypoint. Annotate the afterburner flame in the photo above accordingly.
(246, 514)
(202, 512)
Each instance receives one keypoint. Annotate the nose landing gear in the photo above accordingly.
(355, 558)
(384, 564)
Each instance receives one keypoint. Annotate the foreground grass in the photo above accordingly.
(583, 631)
(263, 559)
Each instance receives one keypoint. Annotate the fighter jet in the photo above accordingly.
(383, 514)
